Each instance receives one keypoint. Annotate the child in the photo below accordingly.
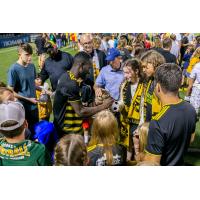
(103, 149)
(43, 96)
(140, 141)
(15, 150)
(70, 151)
(6, 94)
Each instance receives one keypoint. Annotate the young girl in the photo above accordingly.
(103, 148)
(70, 151)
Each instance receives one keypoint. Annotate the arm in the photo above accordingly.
(152, 158)
(44, 74)
(190, 84)
(192, 138)
(99, 84)
(89, 111)
(32, 100)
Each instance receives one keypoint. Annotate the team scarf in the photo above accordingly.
(96, 66)
(131, 111)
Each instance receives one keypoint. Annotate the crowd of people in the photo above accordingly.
(116, 102)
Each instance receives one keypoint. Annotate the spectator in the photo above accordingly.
(111, 76)
(169, 132)
(103, 148)
(40, 42)
(14, 149)
(21, 79)
(150, 61)
(175, 49)
(165, 51)
(55, 65)
(194, 88)
(71, 151)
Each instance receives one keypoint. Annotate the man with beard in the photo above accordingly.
(55, 65)
(68, 109)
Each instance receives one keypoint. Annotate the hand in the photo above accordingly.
(98, 92)
(108, 102)
(33, 100)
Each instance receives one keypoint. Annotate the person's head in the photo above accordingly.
(121, 44)
(86, 43)
(168, 79)
(51, 49)
(25, 52)
(173, 37)
(167, 44)
(138, 50)
(12, 119)
(150, 61)
(6, 94)
(106, 37)
(38, 80)
(114, 58)
(140, 38)
(132, 70)
(82, 63)
(96, 42)
(71, 151)
(157, 42)
(105, 131)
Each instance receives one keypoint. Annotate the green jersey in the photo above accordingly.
(25, 153)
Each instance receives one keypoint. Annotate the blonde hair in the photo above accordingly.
(143, 134)
(105, 131)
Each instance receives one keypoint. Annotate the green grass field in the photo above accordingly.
(9, 55)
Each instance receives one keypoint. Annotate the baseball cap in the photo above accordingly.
(11, 110)
(112, 54)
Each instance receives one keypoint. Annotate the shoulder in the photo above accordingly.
(161, 114)
(14, 67)
(66, 54)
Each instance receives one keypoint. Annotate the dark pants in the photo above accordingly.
(32, 118)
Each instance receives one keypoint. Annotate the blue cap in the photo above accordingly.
(112, 54)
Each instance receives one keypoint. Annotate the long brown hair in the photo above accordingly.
(105, 131)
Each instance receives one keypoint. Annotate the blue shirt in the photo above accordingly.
(111, 80)
(22, 79)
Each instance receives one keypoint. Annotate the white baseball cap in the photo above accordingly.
(11, 110)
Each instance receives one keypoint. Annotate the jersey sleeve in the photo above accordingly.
(155, 140)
